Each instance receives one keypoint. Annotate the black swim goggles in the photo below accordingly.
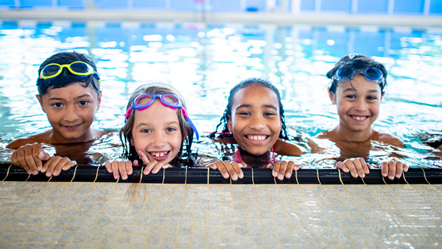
(78, 68)
(372, 74)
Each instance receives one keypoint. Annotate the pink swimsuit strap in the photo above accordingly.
(236, 157)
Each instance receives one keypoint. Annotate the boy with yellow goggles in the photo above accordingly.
(77, 68)
(70, 99)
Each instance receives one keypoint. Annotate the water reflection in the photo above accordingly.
(205, 62)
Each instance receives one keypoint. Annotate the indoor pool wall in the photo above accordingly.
(295, 57)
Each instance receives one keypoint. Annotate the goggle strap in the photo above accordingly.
(193, 128)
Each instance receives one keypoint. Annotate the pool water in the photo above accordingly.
(205, 61)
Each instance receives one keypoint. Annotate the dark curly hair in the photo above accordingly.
(356, 61)
(228, 111)
(66, 77)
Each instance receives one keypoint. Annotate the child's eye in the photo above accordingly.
(269, 114)
(146, 131)
(371, 98)
(57, 105)
(170, 129)
(84, 102)
(243, 113)
(350, 96)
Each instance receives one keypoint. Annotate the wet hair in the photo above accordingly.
(66, 78)
(129, 151)
(355, 61)
(228, 111)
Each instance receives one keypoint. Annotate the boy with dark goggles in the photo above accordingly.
(77, 68)
(373, 74)
(167, 99)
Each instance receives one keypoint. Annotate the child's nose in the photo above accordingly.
(159, 140)
(257, 123)
(71, 114)
(361, 105)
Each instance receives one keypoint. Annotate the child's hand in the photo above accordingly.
(228, 169)
(393, 168)
(284, 168)
(356, 167)
(55, 164)
(153, 166)
(30, 157)
(119, 167)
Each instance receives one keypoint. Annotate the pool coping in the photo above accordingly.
(88, 173)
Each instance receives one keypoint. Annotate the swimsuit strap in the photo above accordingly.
(236, 157)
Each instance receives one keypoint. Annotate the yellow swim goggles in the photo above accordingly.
(77, 68)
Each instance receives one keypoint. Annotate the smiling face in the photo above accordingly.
(71, 111)
(358, 102)
(255, 121)
(156, 131)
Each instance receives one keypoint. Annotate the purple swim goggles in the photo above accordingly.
(167, 99)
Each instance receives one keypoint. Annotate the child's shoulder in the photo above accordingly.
(37, 138)
(326, 135)
(387, 138)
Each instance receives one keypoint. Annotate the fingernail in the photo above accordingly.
(241, 175)
(34, 172)
(225, 175)
(391, 177)
(398, 176)
(384, 175)
(280, 177)
(234, 177)
(29, 172)
(274, 173)
(39, 168)
(124, 177)
(362, 175)
(75, 162)
(288, 175)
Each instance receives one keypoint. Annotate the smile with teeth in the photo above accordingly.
(71, 127)
(159, 154)
(359, 118)
(257, 137)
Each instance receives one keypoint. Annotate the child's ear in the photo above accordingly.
(229, 123)
(41, 102)
(331, 96)
(99, 100)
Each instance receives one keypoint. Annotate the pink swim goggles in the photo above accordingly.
(167, 99)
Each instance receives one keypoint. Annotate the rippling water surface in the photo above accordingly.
(205, 61)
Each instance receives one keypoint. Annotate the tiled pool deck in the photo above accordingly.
(122, 215)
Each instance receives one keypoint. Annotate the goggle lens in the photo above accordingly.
(372, 74)
(79, 68)
(346, 72)
(51, 70)
(171, 99)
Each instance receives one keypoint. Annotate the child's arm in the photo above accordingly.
(389, 139)
(31, 156)
(286, 148)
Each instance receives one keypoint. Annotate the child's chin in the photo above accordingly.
(257, 151)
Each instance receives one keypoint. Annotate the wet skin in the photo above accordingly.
(358, 104)
(70, 111)
(157, 133)
(255, 122)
